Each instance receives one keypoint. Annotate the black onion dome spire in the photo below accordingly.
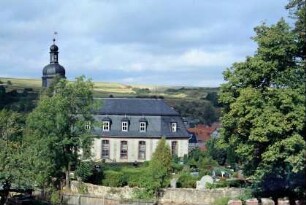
(53, 69)
(53, 47)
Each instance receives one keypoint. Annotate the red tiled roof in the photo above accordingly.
(203, 132)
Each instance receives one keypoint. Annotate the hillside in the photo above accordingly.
(196, 103)
(105, 89)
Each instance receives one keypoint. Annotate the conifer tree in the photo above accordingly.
(159, 169)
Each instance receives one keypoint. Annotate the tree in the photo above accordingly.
(159, 170)
(213, 98)
(10, 155)
(263, 117)
(57, 126)
(297, 10)
(201, 110)
(218, 153)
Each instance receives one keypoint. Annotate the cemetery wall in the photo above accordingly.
(173, 196)
(193, 196)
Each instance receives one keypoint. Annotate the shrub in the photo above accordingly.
(247, 194)
(186, 181)
(134, 177)
(237, 183)
(176, 167)
(55, 196)
(219, 184)
(82, 188)
(84, 170)
(143, 194)
(113, 179)
(221, 201)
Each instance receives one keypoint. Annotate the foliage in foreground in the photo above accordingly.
(11, 166)
(264, 109)
(159, 171)
(57, 126)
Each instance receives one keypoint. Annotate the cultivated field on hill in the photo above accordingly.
(106, 89)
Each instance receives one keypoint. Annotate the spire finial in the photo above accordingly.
(54, 37)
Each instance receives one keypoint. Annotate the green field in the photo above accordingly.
(105, 89)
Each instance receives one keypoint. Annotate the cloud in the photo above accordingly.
(137, 40)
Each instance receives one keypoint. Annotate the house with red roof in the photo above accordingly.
(203, 133)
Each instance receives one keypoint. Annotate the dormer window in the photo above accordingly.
(143, 123)
(106, 126)
(173, 127)
(143, 127)
(125, 126)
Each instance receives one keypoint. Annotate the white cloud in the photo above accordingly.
(137, 41)
(202, 58)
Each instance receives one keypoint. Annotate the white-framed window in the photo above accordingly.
(142, 126)
(142, 150)
(125, 126)
(87, 125)
(105, 149)
(105, 125)
(173, 127)
(124, 150)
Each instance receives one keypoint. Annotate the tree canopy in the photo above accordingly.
(159, 170)
(56, 136)
(263, 117)
(11, 169)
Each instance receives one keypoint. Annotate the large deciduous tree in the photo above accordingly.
(11, 169)
(263, 118)
(56, 132)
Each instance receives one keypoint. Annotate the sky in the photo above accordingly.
(146, 42)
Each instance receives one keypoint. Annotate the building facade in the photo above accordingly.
(53, 69)
(129, 130)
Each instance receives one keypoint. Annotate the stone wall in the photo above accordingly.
(102, 191)
(193, 196)
(96, 195)
(81, 199)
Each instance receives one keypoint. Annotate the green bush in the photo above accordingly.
(82, 188)
(84, 170)
(247, 194)
(221, 201)
(55, 196)
(222, 183)
(176, 167)
(237, 183)
(134, 177)
(219, 184)
(113, 179)
(186, 181)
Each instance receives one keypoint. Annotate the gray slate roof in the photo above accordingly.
(156, 112)
(135, 106)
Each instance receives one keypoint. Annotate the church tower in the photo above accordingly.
(53, 69)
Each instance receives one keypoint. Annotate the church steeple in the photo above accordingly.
(53, 69)
(53, 53)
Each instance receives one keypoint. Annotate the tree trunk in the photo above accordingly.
(68, 176)
(5, 192)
